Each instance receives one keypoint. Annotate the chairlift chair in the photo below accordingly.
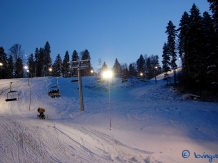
(12, 95)
(54, 90)
(75, 79)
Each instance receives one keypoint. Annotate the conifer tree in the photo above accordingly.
(40, 64)
(31, 64)
(125, 71)
(183, 43)
(86, 56)
(214, 9)
(66, 65)
(141, 64)
(132, 70)
(166, 61)
(19, 68)
(209, 48)
(117, 68)
(36, 62)
(196, 57)
(46, 58)
(103, 68)
(57, 66)
(75, 57)
(10, 67)
(149, 68)
(3, 61)
(171, 43)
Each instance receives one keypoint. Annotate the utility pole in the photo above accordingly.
(81, 65)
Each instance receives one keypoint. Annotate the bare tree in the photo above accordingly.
(17, 52)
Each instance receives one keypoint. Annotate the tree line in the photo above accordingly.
(39, 64)
(196, 42)
(145, 67)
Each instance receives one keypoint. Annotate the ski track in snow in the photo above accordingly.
(44, 141)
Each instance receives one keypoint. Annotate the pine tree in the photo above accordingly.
(40, 63)
(196, 56)
(149, 69)
(19, 68)
(183, 43)
(214, 9)
(66, 65)
(117, 68)
(75, 57)
(132, 70)
(171, 43)
(47, 58)
(86, 56)
(36, 62)
(31, 65)
(103, 68)
(125, 71)
(141, 64)
(10, 67)
(209, 48)
(4, 64)
(166, 61)
(57, 66)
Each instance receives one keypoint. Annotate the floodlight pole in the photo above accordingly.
(110, 102)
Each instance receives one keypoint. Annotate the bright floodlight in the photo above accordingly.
(50, 69)
(25, 67)
(141, 74)
(107, 74)
(1, 64)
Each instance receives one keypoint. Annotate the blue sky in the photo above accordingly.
(109, 29)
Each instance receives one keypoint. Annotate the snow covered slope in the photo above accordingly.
(150, 123)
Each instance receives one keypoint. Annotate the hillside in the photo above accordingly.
(151, 123)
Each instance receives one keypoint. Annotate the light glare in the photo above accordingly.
(107, 74)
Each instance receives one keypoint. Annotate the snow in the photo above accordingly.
(151, 123)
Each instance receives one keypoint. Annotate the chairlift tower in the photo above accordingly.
(80, 65)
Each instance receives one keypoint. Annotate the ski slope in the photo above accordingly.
(151, 123)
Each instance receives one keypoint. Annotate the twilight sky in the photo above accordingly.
(109, 29)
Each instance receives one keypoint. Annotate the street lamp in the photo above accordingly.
(1, 64)
(108, 76)
(155, 69)
(27, 70)
(141, 74)
(92, 72)
(50, 70)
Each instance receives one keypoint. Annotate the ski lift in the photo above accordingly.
(54, 90)
(12, 95)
